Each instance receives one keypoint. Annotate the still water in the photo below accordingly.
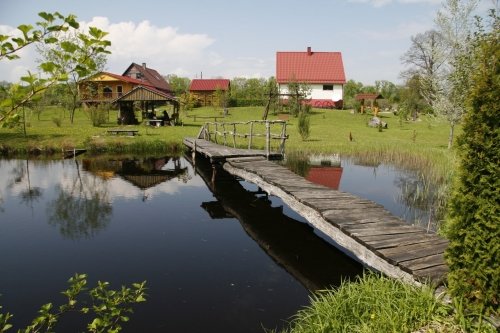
(217, 257)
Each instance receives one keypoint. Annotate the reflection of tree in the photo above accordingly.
(31, 193)
(82, 209)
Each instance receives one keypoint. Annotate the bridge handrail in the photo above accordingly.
(211, 130)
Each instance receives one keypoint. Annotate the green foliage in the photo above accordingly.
(303, 125)
(179, 85)
(66, 58)
(109, 309)
(98, 114)
(371, 304)
(474, 217)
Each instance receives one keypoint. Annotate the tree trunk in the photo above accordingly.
(450, 137)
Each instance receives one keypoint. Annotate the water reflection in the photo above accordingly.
(407, 194)
(143, 173)
(292, 244)
(81, 208)
(21, 176)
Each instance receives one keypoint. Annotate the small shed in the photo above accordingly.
(371, 98)
(204, 90)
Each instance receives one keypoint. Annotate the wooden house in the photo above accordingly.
(137, 84)
(205, 90)
(323, 72)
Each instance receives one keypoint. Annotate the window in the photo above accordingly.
(107, 92)
(328, 87)
(119, 90)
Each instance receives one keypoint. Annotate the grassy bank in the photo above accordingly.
(421, 144)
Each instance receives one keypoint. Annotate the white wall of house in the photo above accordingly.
(317, 91)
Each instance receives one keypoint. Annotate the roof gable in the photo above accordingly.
(209, 84)
(106, 76)
(148, 74)
(310, 67)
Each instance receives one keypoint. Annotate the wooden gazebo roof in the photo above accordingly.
(368, 96)
(142, 93)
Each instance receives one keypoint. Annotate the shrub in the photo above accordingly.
(303, 125)
(474, 217)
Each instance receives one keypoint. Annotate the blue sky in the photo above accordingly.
(236, 38)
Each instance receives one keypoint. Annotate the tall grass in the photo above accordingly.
(373, 303)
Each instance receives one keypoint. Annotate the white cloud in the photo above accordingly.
(165, 49)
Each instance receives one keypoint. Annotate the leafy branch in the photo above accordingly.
(110, 308)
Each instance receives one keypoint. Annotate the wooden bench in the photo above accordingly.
(118, 131)
(206, 117)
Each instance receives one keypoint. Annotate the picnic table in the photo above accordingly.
(154, 122)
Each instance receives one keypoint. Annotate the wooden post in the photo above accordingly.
(251, 136)
(268, 138)
(234, 135)
(283, 139)
(224, 133)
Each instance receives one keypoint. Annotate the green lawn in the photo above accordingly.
(421, 144)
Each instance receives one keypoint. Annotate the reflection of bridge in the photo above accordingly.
(306, 256)
(372, 234)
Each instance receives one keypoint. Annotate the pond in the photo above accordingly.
(217, 256)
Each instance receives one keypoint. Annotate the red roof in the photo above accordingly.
(367, 96)
(310, 67)
(150, 76)
(209, 84)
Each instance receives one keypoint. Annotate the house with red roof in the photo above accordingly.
(137, 84)
(323, 72)
(204, 90)
(109, 87)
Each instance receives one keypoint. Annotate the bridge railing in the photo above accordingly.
(253, 134)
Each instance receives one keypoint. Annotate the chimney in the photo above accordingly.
(309, 52)
(144, 65)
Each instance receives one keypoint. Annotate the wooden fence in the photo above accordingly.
(251, 134)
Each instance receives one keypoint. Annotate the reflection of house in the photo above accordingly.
(205, 90)
(326, 175)
(322, 71)
(142, 173)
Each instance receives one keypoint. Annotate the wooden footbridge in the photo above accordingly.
(362, 227)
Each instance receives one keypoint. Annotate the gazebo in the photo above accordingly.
(369, 97)
(149, 98)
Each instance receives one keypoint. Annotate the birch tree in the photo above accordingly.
(455, 23)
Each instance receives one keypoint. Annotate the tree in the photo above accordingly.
(455, 24)
(78, 54)
(46, 32)
(426, 58)
(474, 219)
(297, 93)
(179, 85)
(412, 101)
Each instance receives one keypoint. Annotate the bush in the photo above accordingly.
(474, 217)
(303, 125)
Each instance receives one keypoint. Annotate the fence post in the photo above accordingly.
(234, 135)
(251, 136)
(268, 138)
